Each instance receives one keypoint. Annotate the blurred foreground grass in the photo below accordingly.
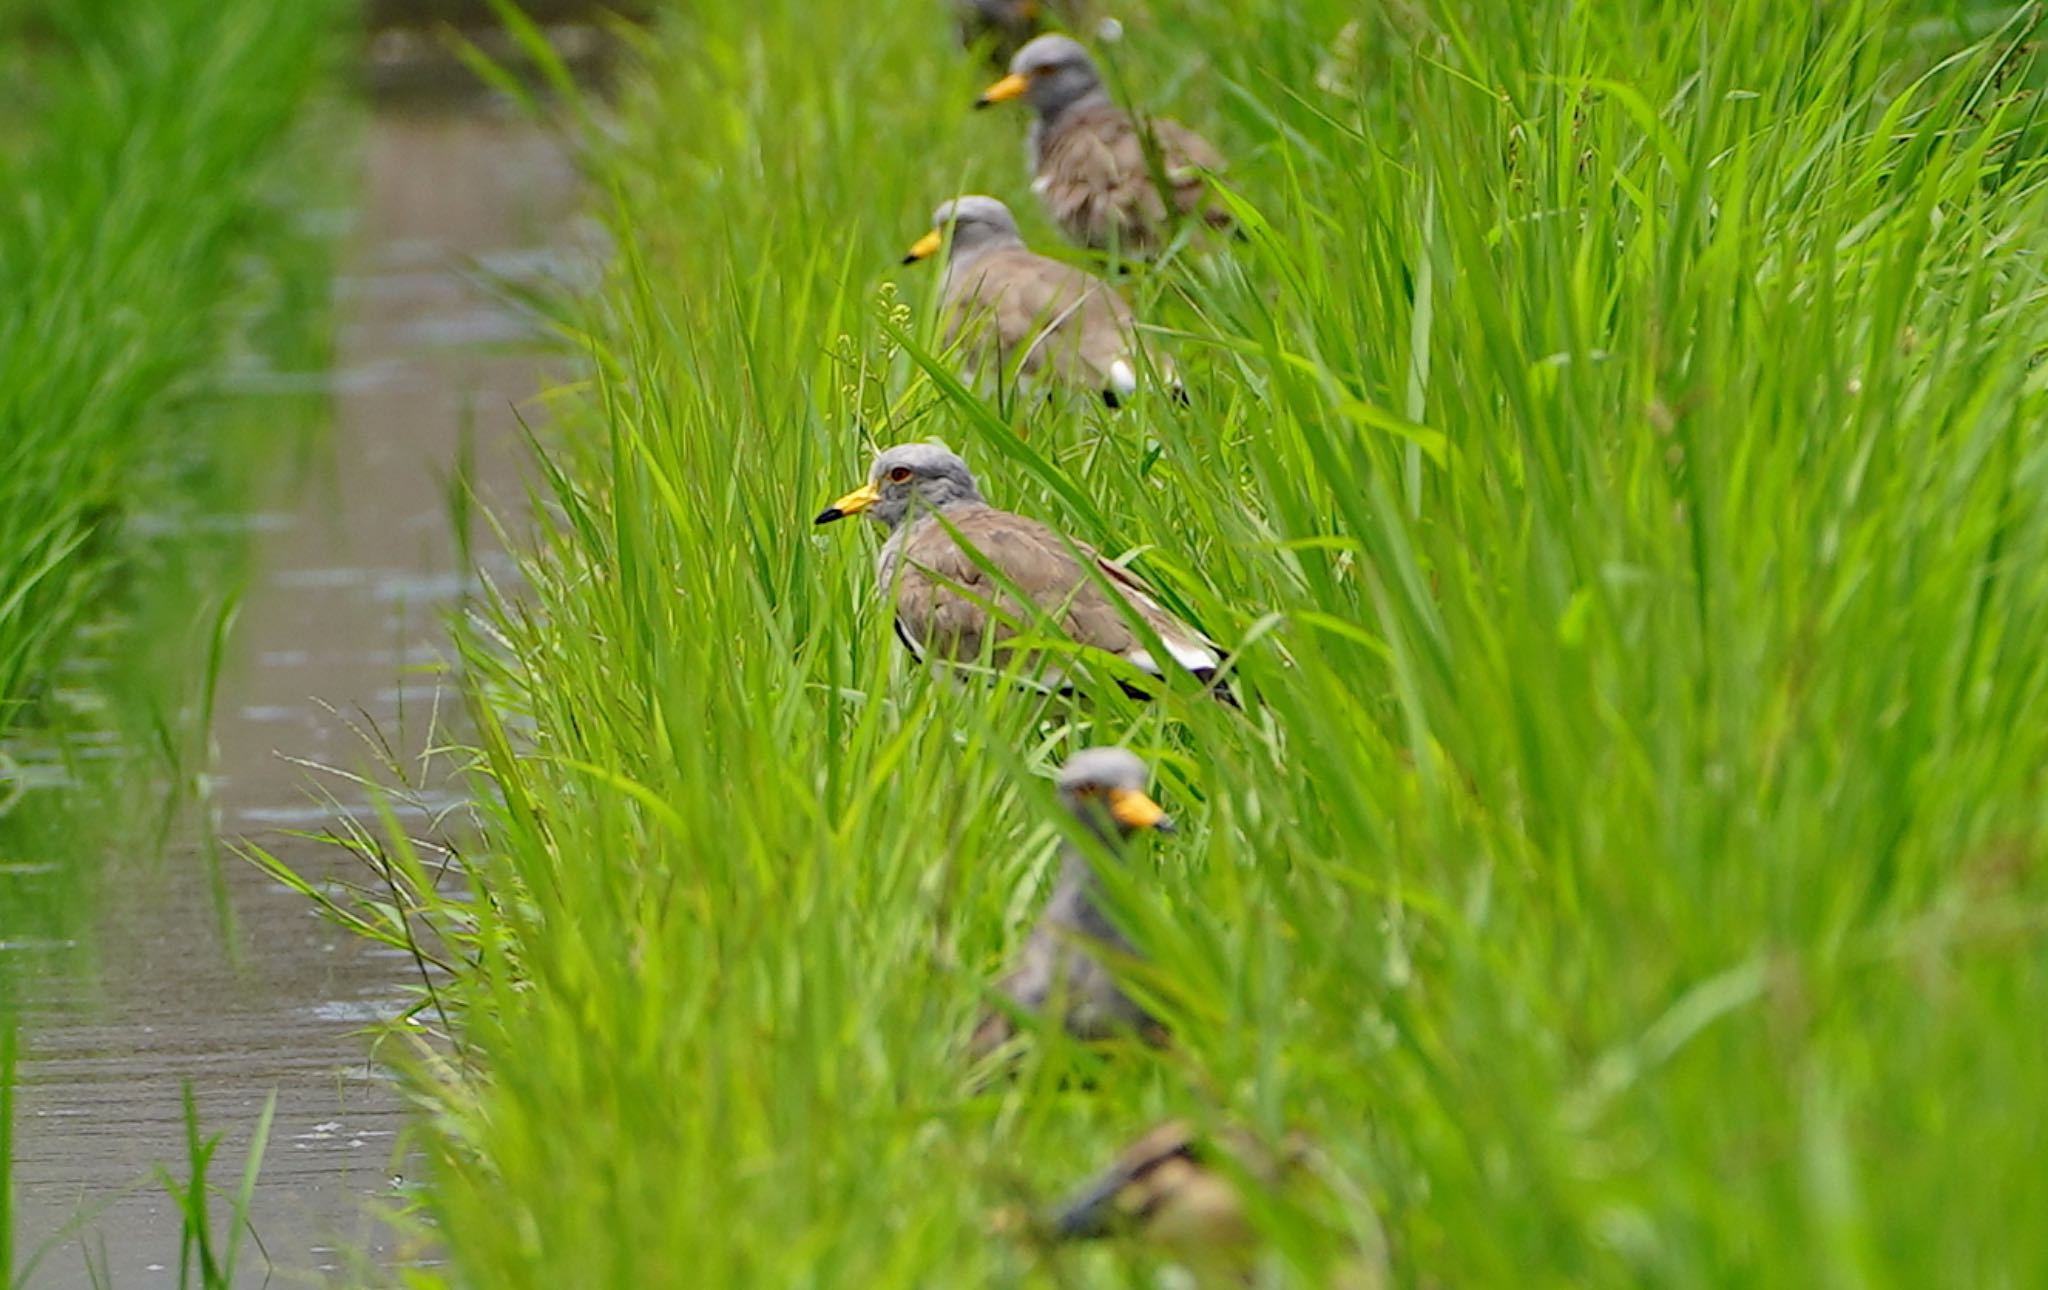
(1618, 436)
(140, 154)
(158, 276)
(148, 262)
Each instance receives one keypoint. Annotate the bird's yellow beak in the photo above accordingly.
(1010, 87)
(926, 246)
(1134, 810)
(852, 504)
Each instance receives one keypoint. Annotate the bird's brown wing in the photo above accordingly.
(946, 599)
(1192, 650)
(1095, 184)
(1100, 186)
(1059, 317)
(1188, 158)
(1106, 350)
(943, 596)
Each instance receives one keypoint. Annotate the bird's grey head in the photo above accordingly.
(1052, 73)
(1105, 789)
(911, 477)
(979, 224)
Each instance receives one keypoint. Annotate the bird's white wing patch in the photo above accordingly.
(1122, 377)
(1195, 658)
(1197, 655)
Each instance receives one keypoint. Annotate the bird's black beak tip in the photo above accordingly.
(1165, 825)
(829, 514)
(981, 103)
(910, 259)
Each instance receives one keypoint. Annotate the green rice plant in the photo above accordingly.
(202, 1260)
(1614, 443)
(158, 273)
(149, 160)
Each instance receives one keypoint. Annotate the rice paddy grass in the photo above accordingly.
(145, 249)
(148, 258)
(155, 267)
(1613, 442)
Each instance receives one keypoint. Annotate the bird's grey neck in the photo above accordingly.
(1052, 117)
(1075, 867)
(1075, 903)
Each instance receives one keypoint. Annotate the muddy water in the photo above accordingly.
(337, 636)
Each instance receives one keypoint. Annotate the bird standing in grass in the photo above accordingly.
(1065, 966)
(1184, 1196)
(1007, 305)
(1110, 182)
(965, 577)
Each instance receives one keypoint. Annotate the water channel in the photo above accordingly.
(339, 634)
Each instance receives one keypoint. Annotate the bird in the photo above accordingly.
(1164, 1186)
(1005, 25)
(1110, 182)
(950, 604)
(1008, 304)
(1183, 1194)
(1066, 962)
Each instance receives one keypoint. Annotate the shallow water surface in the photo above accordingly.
(354, 566)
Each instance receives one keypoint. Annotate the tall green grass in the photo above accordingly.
(140, 172)
(1617, 436)
(154, 256)
(145, 250)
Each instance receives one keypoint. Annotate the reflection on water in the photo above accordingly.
(339, 625)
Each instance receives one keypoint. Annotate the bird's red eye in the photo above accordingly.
(900, 475)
